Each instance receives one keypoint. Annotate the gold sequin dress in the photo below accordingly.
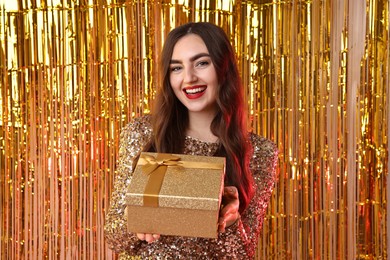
(239, 241)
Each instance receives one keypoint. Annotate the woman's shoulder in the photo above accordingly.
(264, 160)
(262, 145)
(138, 124)
(138, 129)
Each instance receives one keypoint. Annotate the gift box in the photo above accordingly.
(176, 194)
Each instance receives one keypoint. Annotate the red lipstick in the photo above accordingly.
(194, 92)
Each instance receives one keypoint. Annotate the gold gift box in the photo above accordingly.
(176, 194)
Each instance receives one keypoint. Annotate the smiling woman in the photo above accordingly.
(199, 111)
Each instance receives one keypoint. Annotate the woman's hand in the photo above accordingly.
(229, 214)
(148, 237)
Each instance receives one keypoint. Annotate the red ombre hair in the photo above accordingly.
(170, 116)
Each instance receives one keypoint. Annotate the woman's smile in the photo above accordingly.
(194, 92)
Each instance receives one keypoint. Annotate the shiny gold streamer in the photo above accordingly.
(316, 75)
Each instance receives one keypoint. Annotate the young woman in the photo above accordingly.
(199, 111)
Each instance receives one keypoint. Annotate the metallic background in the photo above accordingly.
(316, 74)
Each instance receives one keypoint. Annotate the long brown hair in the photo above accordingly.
(170, 116)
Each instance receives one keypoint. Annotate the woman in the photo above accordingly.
(199, 111)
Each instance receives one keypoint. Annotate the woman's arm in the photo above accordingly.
(133, 138)
(263, 167)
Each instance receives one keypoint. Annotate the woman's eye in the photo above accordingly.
(202, 63)
(175, 69)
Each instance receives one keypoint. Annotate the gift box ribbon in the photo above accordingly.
(156, 167)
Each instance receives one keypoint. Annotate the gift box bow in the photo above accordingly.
(156, 167)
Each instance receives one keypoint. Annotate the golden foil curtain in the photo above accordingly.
(316, 74)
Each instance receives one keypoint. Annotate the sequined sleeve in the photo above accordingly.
(240, 240)
(132, 139)
(263, 167)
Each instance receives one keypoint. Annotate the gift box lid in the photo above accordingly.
(190, 182)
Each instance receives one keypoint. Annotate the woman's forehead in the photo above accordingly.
(189, 46)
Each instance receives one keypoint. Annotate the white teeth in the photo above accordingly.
(194, 90)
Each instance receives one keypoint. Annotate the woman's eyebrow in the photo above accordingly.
(195, 57)
(200, 55)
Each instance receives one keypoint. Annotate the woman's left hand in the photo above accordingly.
(229, 214)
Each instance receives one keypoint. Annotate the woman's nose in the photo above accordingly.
(189, 75)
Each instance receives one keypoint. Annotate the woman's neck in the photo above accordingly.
(199, 126)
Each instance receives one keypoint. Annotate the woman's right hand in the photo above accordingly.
(150, 238)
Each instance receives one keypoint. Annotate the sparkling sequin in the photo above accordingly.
(238, 242)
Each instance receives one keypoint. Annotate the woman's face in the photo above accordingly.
(192, 75)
